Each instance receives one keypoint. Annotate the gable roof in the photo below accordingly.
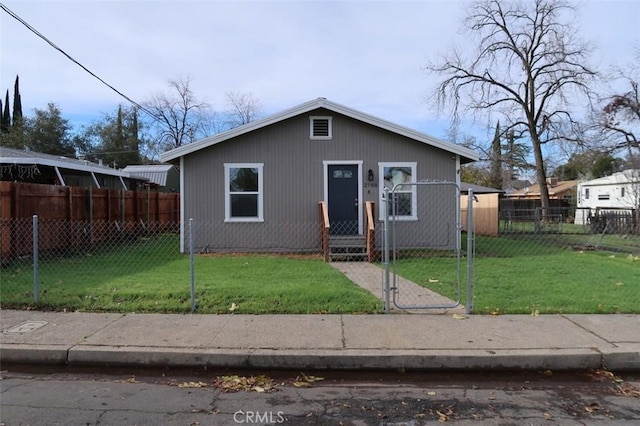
(155, 173)
(466, 154)
(534, 190)
(478, 189)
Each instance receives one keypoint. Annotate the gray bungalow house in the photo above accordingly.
(277, 184)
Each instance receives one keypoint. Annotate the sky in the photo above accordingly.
(367, 55)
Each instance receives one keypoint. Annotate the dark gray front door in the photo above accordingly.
(342, 187)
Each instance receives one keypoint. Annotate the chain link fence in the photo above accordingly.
(423, 254)
(266, 267)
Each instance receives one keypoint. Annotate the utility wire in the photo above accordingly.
(36, 32)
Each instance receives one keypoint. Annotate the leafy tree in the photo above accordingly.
(590, 164)
(527, 64)
(114, 140)
(476, 174)
(49, 133)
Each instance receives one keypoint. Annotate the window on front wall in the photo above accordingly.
(397, 177)
(243, 192)
(586, 193)
(604, 196)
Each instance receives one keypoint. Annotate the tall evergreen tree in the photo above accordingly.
(495, 178)
(5, 122)
(17, 104)
(114, 139)
(133, 140)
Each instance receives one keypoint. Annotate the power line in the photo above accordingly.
(52, 44)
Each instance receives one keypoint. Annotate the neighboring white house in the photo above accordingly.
(618, 191)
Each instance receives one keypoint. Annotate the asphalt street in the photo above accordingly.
(203, 397)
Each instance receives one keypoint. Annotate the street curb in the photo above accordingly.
(346, 359)
(34, 354)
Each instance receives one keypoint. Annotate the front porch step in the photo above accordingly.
(347, 248)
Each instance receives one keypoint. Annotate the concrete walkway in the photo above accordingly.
(421, 342)
(370, 277)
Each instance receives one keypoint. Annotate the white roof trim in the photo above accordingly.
(310, 106)
(62, 163)
(625, 177)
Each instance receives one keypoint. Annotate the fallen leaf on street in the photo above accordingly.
(592, 407)
(131, 379)
(192, 385)
(235, 383)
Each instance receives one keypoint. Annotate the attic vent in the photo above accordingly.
(320, 127)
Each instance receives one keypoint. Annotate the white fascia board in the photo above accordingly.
(229, 134)
(404, 131)
(310, 106)
(65, 165)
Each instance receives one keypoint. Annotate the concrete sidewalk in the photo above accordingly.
(322, 341)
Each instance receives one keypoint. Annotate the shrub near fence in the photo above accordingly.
(70, 215)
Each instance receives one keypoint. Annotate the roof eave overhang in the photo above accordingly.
(466, 155)
(64, 165)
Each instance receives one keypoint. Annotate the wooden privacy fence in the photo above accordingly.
(485, 213)
(72, 217)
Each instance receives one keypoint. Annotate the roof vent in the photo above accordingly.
(320, 127)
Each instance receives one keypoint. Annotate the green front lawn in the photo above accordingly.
(511, 277)
(524, 277)
(151, 276)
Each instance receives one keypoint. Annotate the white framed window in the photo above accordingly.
(397, 175)
(243, 190)
(320, 127)
(604, 196)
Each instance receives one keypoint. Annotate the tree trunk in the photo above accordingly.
(541, 176)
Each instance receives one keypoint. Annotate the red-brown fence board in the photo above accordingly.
(72, 216)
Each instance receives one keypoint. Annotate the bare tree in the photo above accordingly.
(617, 117)
(179, 115)
(527, 67)
(243, 108)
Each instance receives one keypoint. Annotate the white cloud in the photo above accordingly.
(365, 54)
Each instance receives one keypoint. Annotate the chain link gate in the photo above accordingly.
(422, 246)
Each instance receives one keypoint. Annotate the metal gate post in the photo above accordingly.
(36, 269)
(385, 251)
(470, 244)
(192, 267)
